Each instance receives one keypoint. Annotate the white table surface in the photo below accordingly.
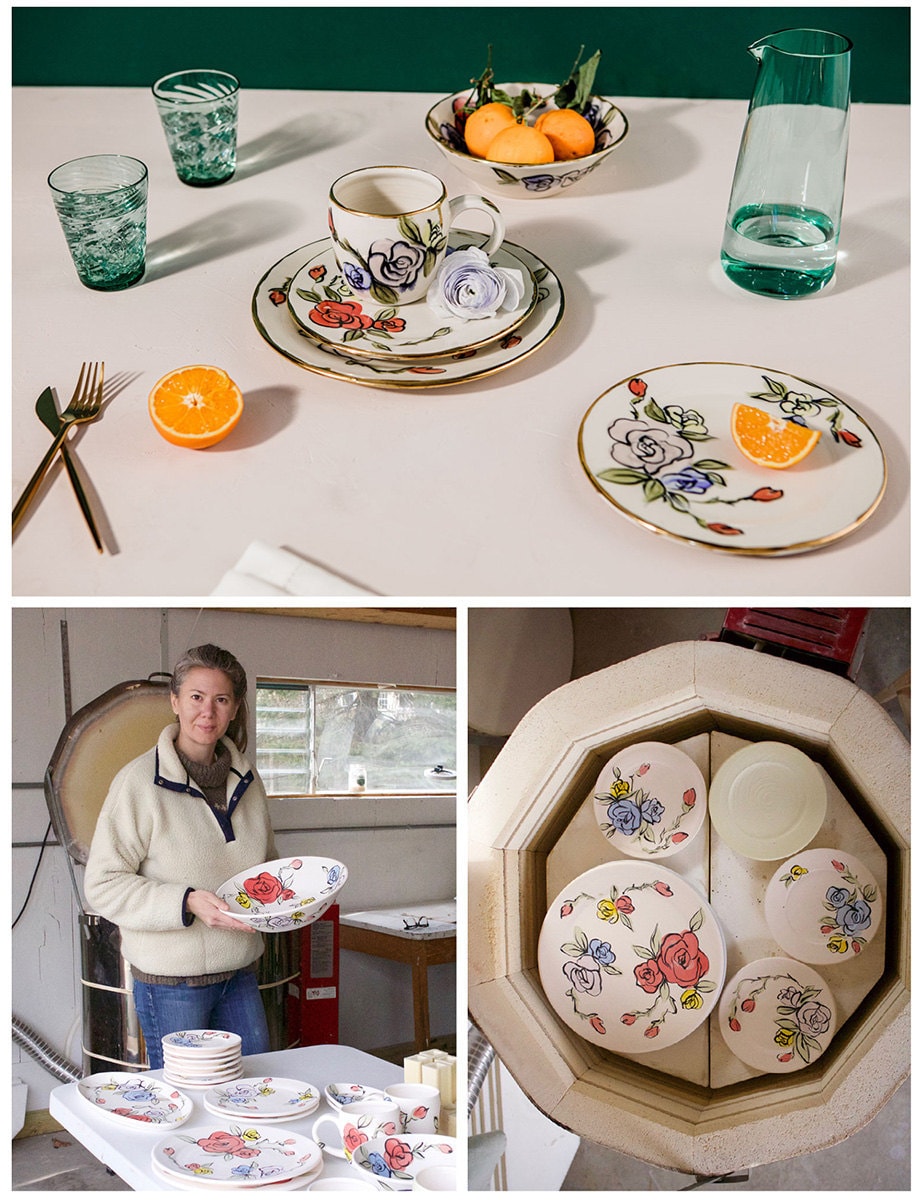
(473, 490)
(125, 1148)
(441, 915)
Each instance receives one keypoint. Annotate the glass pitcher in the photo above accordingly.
(783, 219)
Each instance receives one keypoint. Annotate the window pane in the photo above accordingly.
(283, 739)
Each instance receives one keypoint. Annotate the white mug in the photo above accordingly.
(357, 1123)
(390, 229)
(436, 1179)
(419, 1105)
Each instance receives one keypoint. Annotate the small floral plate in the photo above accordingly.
(777, 1015)
(126, 1095)
(263, 1097)
(767, 800)
(340, 1095)
(322, 304)
(658, 446)
(631, 956)
(650, 800)
(823, 906)
(275, 325)
(394, 1162)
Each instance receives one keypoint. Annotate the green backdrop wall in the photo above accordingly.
(650, 51)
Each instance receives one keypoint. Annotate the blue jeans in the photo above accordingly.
(234, 1005)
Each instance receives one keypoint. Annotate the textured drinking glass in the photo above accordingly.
(198, 111)
(783, 219)
(101, 202)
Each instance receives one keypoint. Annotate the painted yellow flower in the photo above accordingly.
(251, 1135)
(201, 1170)
(691, 999)
(837, 945)
(606, 910)
(243, 899)
(797, 872)
(619, 788)
(784, 1037)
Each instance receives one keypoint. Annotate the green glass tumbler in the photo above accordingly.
(101, 202)
(198, 111)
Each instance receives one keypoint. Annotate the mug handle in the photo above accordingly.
(331, 1148)
(460, 204)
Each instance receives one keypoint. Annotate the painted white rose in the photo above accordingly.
(648, 447)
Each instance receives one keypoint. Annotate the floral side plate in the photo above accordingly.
(823, 906)
(767, 800)
(777, 1015)
(395, 1161)
(631, 957)
(236, 1154)
(339, 1095)
(263, 1098)
(125, 1095)
(649, 800)
(658, 446)
(275, 325)
(191, 1183)
(322, 303)
(201, 1043)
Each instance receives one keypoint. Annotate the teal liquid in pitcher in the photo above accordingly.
(779, 249)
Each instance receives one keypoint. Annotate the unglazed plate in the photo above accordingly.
(394, 1162)
(125, 1095)
(631, 956)
(658, 446)
(236, 1155)
(767, 800)
(823, 906)
(263, 1098)
(777, 1015)
(650, 800)
(323, 305)
(275, 325)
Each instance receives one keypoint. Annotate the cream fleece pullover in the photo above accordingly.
(156, 838)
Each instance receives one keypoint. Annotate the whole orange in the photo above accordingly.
(570, 134)
(520, 144)
(484, 124)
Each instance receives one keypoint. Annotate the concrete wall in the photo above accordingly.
(377, 839)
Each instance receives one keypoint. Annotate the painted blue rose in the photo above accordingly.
(538, 183)
(396, 264)
(651, 811)
(625, 816)
(602, 952)
(357, 277)
(333, 875)
(690, 480)
(378, 1164)
(855, 917)
(837, 896)
(136, 1093)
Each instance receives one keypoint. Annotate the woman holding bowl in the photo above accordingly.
(177, 822)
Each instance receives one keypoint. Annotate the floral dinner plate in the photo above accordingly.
(236, 1155)
(823, 906)
(394, 1162)
(263, 1098)
(126, 1095)
(650, 799)
(631, 956)
(777, 1015)
(321, 302)
(658, 446)
(275, 325)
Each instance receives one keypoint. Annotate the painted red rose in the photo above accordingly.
(353, 1137)
(664, 889)
(765, 494)
(851, 439)
(263, 887)
(390, 324)
(628, 1018)
(317, 273)
(734, 1024)
(678, 837)
(749, 1004)
(597, 1024)
(637, 387)
(624, 904)
(648, 975)
(339, 314)
(689, 797)
(566, 909)
(222, 1142)
(681, 960)
(277, 296)
(398, 1154)
(652, 1031)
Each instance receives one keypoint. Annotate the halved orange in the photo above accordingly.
(195, 406)
(768, 440)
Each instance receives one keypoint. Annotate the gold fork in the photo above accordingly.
(84, 406)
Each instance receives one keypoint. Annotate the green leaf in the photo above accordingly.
(654, 489)
(642, 952)
(572, 949)
(653, 410)
(385, 314)
(383, 294)
(696, 921)
(351, 334)
(776, 386)
(656, 941)
(313, 297)
(705, 985)
(577, 88)
(711, 464)
(623, 475)
(409, 230)
(693, 435)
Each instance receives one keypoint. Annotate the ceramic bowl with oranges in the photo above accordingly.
(545, 154)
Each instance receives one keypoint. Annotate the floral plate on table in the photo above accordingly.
(263, 1098)
(777, 1015)
(236, 1155)
(275, 325)
(631, 957)
(823, 906)
(125, 1095)
(322, 303)
(395, 1161)
(203, 1182)
(658, 446)
(340, 1095)
(201, 1043)
(650, 799)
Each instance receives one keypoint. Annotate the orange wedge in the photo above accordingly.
(768, 440)
(195, 406)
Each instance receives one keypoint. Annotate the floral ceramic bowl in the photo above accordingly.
(445, 124)
(286, 893)
(394, 1162)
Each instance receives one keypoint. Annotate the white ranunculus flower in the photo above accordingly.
(466, 286)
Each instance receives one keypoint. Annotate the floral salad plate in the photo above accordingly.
(275, 325)
(777, 1015)
(235, 1155)
(631, 956)
(340, 1095)
(128, 1096)
(394, 1162)
(767, 800)
(650, 800)
(823, 906)
(265, 1098)
(658, 446)
(323, 305)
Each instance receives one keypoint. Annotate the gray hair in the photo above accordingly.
(213, 658)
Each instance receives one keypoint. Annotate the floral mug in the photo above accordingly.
(390, 230)
(357, 1123)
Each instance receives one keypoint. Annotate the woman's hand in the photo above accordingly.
(214, 911)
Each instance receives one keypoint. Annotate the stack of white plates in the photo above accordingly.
(265, 1099)
(201, 1058)
(232, 1156)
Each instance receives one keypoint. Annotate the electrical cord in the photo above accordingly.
(41, 852)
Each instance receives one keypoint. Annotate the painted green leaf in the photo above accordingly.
(622, 475)
(697, 921)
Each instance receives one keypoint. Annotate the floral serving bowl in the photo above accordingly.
(445, 124)
(286, 893)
